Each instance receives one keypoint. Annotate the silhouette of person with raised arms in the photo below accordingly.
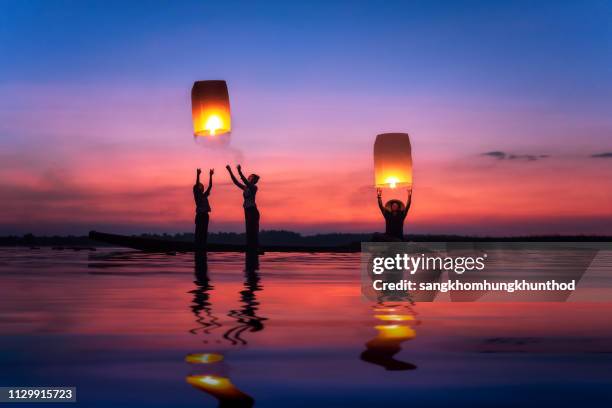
(202, 209)
(395, 213)
(251, 213)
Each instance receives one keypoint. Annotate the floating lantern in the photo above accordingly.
(210, 108)
(393, 160)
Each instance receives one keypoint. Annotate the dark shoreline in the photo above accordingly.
(287, 238)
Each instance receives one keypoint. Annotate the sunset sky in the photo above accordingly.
(509, 108)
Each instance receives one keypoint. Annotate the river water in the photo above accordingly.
(151, 330)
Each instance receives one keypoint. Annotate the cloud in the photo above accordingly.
(496, 154)
(511, 156)
(605, 155)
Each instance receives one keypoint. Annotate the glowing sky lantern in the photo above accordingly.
(393, 160)
(210, 109)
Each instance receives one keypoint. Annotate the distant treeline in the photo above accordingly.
(276, 237)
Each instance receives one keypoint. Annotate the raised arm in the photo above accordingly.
(244, 179)
(210, 174)
(234, 179)
(380, 203)
(409, 201)
(198, 171)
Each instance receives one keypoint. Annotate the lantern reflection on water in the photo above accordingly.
(393, 160)
(381, 350)
(203, 358)
(222, 389)
(210, 108)
(394, 317)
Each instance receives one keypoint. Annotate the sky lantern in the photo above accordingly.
(393, 160)
(210, 108)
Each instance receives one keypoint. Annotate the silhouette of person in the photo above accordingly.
(251, 213)
(395, 213)
(202, 209)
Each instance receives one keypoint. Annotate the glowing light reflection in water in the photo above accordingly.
(247, 320)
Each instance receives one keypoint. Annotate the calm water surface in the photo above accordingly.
(120, 326)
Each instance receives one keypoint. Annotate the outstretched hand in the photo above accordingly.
(211, 172)
(379, 192)
(228, 167)
(239, 167)
(199, 171)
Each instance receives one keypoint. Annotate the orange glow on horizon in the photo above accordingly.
(451, 197)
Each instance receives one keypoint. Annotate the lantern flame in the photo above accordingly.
(392, 181)
(213, 124)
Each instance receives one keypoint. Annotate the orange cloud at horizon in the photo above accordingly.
(96, 165)
(151, 191)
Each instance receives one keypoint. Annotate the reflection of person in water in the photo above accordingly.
(247, 318)
(251, 214)
(202, 209)
(217, 386)
(395, 213)
(202, 307)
